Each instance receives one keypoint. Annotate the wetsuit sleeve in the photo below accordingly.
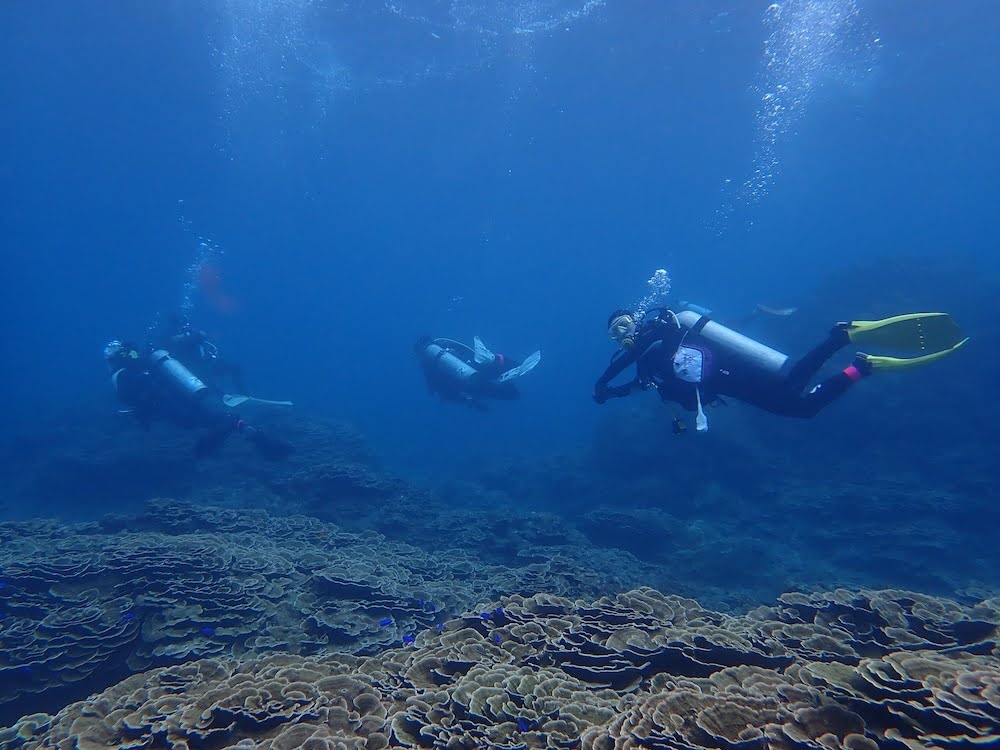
(603, 390)
(138, 393)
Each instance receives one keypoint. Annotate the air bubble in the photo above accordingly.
(811, 43)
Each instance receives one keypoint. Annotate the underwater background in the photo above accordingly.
(318, 184)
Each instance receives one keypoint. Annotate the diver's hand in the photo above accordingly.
(603, 394)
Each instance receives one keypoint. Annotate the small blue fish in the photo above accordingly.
(498, 612)
(440, 626)
(207, 630)
(485, 615)
(497, 639)
(127, 617)
(408, 639)
(386, 622)
(3, 584)
(422, 603)
(523, 725)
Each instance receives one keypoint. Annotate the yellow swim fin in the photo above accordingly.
(883, 364)
(915, 332)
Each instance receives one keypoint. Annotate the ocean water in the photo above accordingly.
(318, 184)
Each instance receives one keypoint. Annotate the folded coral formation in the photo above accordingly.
(856, 670)
(84, 606)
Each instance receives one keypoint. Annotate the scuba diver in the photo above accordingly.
(692, 360)
(470, 375)
(193, 345)
(157, 387)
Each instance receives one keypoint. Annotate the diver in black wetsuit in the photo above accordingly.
(470, 375)
(692, 360)
(192, 345)
(156, 387)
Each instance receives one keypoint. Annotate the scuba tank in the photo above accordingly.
(175, 373)
(437, 357)
(754, 353)
(695, 308)
(443, 362)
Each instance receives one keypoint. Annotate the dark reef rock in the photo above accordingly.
(98, 459)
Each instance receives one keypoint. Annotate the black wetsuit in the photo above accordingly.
(192, 345)
(158, 388)
(153, 397)
(726, 373)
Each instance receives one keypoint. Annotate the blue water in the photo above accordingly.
(363, 176)
(318, 184)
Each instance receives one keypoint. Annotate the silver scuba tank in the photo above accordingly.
(439, 357)
(176, 373)
(752, 352)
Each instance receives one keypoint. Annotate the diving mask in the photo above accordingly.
(622, 330)
(114, 349)
(118, 350)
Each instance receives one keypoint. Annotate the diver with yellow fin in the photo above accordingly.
(693, 360)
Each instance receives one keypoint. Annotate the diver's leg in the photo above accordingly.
(222, 423)
(789, 403)
(798, 377)
(213, 416)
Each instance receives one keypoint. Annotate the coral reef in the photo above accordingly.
(83, 606)
(261, 628)
(753, 508)
(853, 670)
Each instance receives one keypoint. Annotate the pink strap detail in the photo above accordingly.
(853, 373)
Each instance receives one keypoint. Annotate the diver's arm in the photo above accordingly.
(603, 393)
(603, 390)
